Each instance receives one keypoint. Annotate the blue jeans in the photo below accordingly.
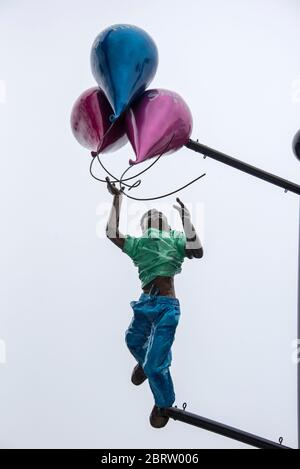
(149, 338)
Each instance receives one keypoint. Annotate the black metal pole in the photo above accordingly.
(245, 167)
(221, 429)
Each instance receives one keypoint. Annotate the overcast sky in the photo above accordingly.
(65, 289)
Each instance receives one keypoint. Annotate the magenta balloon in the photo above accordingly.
(90, 121)
(153, 119)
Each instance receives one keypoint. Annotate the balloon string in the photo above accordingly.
(127, 179)
(122, 183)
(167, 194)
(101, 140)
(115, 178)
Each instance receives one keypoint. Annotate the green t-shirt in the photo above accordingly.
(156, 253)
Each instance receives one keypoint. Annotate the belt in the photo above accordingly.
(154, 290)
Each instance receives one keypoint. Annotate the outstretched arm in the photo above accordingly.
(193, 244)
(112, 227)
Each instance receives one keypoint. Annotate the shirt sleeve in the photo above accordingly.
(130, 246)
(179, 242)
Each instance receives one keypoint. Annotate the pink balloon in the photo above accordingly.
(153, 119)
(91, 125)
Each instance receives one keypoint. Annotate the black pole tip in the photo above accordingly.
(296, 145)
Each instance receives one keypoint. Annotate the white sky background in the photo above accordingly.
(65, 291)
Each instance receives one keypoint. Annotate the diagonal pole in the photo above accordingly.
(244, 167)
(221, 429)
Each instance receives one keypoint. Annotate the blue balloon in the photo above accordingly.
(124, 59)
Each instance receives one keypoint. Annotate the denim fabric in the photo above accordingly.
(149, 338)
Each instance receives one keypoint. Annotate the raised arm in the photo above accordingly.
(112, 227)
(193, 244)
